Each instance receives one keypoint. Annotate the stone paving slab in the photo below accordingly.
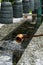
(33, 55)
(1, 25)
(6, 29)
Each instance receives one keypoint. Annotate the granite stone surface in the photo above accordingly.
(7, 29)
(33, 54)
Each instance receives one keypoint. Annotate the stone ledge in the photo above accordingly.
(33, 55)
(6, 29)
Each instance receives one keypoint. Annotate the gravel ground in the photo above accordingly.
(33, 55)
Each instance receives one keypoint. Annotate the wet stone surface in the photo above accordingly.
(5, 58)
